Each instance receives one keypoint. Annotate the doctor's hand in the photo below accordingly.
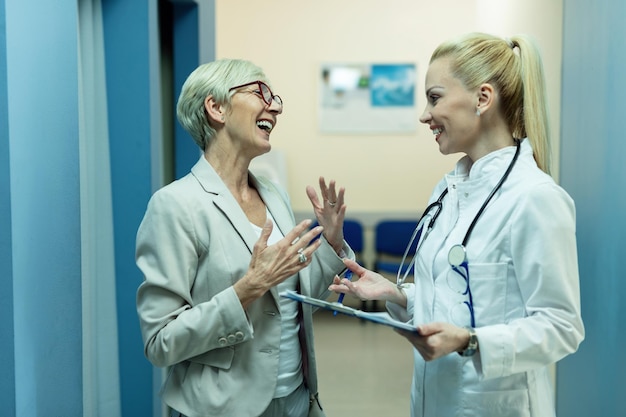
(367, 285)
(329, 212)
(271, 265)
(435, 340)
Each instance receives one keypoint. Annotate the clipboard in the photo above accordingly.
(380, 318)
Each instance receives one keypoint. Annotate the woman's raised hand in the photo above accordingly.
(271, 265)
(330, 212)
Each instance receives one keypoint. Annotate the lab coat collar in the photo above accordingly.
(494, 162)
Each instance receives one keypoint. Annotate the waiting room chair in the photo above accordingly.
(353, 234)
(391, 239)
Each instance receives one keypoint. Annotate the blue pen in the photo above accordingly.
(348, 276)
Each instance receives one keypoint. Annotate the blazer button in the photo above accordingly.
(222, 341)
(239, 336)
(231, 338)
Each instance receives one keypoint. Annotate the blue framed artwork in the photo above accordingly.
(368, 98)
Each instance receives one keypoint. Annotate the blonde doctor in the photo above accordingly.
(496, 292)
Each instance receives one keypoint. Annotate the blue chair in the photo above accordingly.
(353, 234)
(392, 237)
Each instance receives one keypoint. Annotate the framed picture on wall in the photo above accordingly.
(367, 98)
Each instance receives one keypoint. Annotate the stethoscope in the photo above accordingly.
(457, 256)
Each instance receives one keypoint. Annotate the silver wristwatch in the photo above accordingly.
(472, 345)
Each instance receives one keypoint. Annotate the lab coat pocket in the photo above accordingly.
(488, 287)
(513, 403)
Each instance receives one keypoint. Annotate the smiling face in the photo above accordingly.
(451, 110)
(250, 120)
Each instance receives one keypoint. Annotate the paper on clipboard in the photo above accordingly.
(380, 318)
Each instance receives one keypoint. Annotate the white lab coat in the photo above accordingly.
(524, 281)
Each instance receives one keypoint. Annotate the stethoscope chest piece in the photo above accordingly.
(457, 255)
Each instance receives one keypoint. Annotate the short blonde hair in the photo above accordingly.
(515, 69)
(211, 79)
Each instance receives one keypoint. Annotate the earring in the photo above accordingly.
(478, 112)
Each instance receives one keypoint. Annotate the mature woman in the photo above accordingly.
(496, 293)
(218, 246)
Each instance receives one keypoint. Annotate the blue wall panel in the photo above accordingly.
(41, 116)
(7, 351)
(127, 60)
(593, 147)
(186, 152)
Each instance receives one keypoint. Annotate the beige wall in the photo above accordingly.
(289, 39)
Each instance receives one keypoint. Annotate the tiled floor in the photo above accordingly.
(364, 369)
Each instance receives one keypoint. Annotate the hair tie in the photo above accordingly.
(512, 44)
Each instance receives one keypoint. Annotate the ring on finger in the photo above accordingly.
(302, 257)
(332, 203)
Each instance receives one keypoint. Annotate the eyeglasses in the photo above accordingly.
(264, 92)
(459, 281)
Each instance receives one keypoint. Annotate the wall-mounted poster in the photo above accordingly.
(367, 98)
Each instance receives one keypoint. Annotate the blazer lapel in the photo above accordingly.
(224, 201)
(276, 204)
(278, 207)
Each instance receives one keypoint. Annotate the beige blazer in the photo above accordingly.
(193, 244)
